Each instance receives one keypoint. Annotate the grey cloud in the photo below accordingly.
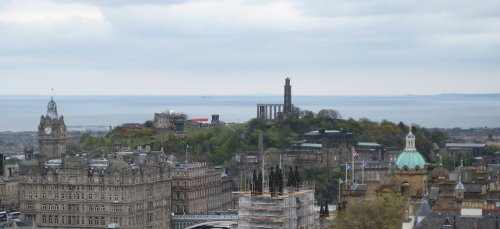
(120, 3)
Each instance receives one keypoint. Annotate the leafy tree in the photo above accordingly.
(492, 150)
(384, 211)
(469, 161)
(272, 156)
(148, 124)
(439, 138)
(329, 114)
(402, 126)
(448, 162)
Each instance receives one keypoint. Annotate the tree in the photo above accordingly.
(439, 138)
(329, 113)
(148, 124)
(384, 211)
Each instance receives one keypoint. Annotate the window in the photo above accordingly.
(56, 219)
(447, 222)
(44, 206)
(44, 219)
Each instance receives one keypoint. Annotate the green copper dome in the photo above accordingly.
(411, 159)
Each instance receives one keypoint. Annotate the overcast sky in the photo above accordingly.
(240, 47)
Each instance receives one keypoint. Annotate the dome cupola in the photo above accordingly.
(410, 157)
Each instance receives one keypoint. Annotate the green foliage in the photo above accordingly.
(448, 163)
(439, 138)
(469, 161)
(384, 211)
(132, 133)
(148, 124)
(492, 150)
(325, 182)
(12, 160)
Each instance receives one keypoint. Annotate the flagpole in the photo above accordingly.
(363, 173)
(187, 147)
(346, 171)
(340, 182)
(352, 165)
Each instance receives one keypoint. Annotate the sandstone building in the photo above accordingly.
(196, 188)
(83, 192)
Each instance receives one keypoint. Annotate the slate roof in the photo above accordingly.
(464, 145)
(423, 211)
(359, 187)
(473, 187)
(437, 218)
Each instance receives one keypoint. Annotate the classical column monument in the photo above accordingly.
(272, 112)
(52, 133)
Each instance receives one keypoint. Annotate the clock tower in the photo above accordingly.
(52, 133)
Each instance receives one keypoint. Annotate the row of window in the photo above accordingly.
(72, 220)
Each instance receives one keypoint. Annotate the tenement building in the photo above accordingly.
(81, 192)
(196, 188)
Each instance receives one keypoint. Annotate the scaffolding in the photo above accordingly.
(293, 209)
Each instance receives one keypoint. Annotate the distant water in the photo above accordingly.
(22, 113)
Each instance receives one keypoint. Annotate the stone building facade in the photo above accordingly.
(52, 133)
(81, 192)
(162, 120)
(411, 170)
(196, 188)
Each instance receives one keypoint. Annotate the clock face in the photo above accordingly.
(48, 130)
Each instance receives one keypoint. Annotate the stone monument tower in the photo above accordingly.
(288, 97)
(52, 133)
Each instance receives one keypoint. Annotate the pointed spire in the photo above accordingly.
(460, 186)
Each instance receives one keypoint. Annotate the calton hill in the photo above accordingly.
(218, 145)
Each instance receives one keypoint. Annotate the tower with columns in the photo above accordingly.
(272, 112)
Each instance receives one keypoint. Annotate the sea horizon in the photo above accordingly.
(22, 112)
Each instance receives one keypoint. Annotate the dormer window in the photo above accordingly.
(447, 223)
